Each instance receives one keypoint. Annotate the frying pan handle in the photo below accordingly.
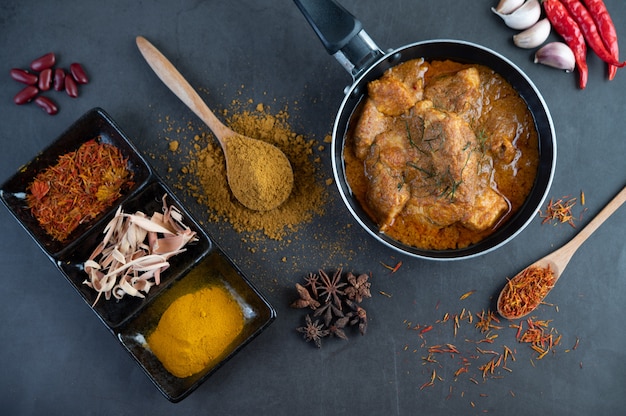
(341, 34)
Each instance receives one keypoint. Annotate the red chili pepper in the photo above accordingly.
(567, 27)
(606, 28)
(587, 25)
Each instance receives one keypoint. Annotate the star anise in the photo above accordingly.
(313, 331)
(336, 301)
(305, 300)
(359, 287)
(358, 315)
(328, 310)
(332, 287)
(312, 280)
(336, 329)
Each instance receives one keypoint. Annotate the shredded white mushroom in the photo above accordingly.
(134, 251)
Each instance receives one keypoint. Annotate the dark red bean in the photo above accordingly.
(47, 105)
(71, 88)
(45, 79)
(25, 95)
(43, 62)
(23, 76)
(59, 79)
(78, 73)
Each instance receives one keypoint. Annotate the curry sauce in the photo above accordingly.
(441, 154)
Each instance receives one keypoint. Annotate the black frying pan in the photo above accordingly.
(343, 37)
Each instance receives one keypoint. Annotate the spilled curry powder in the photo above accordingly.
(204, 175)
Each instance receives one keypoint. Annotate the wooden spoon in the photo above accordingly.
(259, 174)
(558, 260)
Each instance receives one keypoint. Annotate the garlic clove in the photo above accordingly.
(557, 55)
(534, 35)
(522, 18)
(508, 6)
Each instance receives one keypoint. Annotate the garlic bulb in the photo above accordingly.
(533, 36)
(508, 6)
(557, 55)
(522, 18)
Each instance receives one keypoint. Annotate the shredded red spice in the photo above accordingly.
(483, 357)
(559, 211)
(524, 292)
(392, 269)
(541, 337)
(81, 185)
(467, 294)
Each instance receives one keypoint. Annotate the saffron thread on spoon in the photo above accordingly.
(526, 291)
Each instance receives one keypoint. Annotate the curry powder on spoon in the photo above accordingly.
(258, 177)
(204, 176)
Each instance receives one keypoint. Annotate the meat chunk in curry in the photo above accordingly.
(430, 142)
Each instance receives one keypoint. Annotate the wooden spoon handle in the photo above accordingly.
(181, 88)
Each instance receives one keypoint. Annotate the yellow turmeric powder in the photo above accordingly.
(195, 330)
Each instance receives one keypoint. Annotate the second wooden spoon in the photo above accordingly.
(558, 260)
(259, 174)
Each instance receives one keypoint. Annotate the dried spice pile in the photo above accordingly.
(560, 211)
(477, 351)
(80, 186)
(196, 330)
(206, 181)
(134, 250)
(336, 300)
(526, 291)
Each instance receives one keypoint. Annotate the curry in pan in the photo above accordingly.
(440, 154)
